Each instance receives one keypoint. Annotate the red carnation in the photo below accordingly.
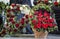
(17, 25)
(45, 26)
(34, 21)
(10, 19)
(13, 5)
(56, 3)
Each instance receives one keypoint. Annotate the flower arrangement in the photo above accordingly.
(13, 25)
(41, 20)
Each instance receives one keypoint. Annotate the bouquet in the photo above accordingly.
(41, 20)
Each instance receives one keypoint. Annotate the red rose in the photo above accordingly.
(40, 19)
(35, 26)
(31, 16)
(50, 20)
(15, 30)
(38, 25)
(34, 21)
(56, 3)
(18, 8)
(10, 19)
(46, 1)
(26, 16)
(45, 26)
(40, 14)
(13, 22)
(46, 14)
(17, 25)
(13, 5)
(22, 22)
(50, 25)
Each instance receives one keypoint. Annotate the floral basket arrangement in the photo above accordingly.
(41, 21)
(12, 25)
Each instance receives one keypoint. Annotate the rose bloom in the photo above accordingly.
(26, 16)
(10, 19)
(13, 5)
(17, 25)
(50, 25)
(45, 26)
(31, 16)
(18, 8)
(33, 21)
(56, 3)
(13, 22)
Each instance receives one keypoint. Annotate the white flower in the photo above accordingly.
(11, 7)
(7, 7)
(23, 5)
(21, 8)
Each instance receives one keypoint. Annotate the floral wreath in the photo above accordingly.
(12, 25)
